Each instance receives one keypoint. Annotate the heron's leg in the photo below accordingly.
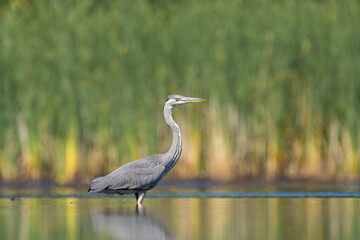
(142, 195)
(140, 210)
(137, 196)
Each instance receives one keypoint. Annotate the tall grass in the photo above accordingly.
(82, 84)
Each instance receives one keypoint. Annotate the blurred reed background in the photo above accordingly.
(82, 86)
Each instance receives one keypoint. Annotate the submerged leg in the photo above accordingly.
(140, 197)
(140, 210)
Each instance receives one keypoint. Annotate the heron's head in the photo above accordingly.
(176, 100)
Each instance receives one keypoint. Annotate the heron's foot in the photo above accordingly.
(140, 197)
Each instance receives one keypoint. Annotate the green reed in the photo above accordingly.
(82, 84)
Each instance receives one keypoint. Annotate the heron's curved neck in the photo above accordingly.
(174, 152)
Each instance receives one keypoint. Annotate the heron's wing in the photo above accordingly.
(135, 176)
(138, 175)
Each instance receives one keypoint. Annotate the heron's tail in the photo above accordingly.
(98, 184)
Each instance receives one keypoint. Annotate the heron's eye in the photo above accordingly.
(177, 99)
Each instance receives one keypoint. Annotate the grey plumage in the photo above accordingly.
(142, 175)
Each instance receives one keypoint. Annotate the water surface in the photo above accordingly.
(182, 216)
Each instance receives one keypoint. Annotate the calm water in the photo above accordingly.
(188, 216)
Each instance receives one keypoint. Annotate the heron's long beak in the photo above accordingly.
(192, 100)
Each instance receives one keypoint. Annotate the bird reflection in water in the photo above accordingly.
(122, 225)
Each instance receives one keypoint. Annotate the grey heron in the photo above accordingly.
(142, 175)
